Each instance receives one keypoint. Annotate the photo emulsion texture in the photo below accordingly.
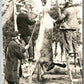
(41, 42)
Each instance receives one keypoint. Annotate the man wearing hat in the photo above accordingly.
(14, 52)
(69, 21)
(23, 23)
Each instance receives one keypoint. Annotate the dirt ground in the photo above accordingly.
(55, 76)
(56, 79)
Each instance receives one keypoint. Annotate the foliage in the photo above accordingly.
(9, 26)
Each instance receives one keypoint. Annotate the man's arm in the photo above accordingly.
(17, 52)
(29, 21)
(63, 16)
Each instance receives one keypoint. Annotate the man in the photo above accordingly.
(69, 23)
(23, 23)
(14, 52)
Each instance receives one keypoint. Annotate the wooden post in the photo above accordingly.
(30, 80)
(15, 17)
(79, 63)
(39, 78)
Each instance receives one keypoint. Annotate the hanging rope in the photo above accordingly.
(27, 46)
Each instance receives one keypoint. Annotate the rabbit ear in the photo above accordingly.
(60, 65)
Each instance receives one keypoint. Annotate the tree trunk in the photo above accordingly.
(8, 14)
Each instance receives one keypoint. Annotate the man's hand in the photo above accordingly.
(37, 18)
(25, 53)
(27, 46)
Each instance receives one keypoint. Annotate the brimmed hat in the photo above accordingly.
(23, 9)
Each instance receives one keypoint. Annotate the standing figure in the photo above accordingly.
(23, 23)
(69, 22)
(14, 52)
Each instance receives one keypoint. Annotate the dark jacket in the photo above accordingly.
(13, 53)
(22, 24)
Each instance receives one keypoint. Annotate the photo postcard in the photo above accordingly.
(42, 42)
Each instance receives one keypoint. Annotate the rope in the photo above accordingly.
(27, 46)
(32, 33)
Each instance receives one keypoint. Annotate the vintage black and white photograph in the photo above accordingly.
(42, 42)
